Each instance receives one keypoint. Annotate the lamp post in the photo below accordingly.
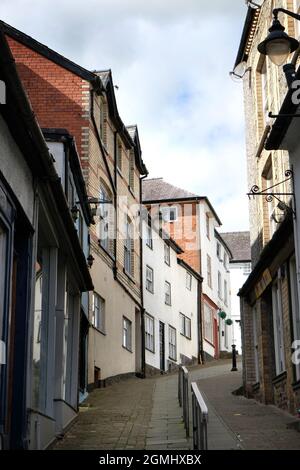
(279, 45)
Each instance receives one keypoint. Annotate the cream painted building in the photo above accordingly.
(114, 175)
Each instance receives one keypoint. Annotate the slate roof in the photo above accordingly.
(239, 244)
(159, 190)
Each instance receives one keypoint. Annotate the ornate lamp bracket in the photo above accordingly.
(270, 195)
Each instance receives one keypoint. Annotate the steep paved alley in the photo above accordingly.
(144, 414)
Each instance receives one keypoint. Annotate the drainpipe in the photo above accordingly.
(201, 359)
(142, 283)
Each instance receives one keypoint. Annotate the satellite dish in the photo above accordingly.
(239, 72)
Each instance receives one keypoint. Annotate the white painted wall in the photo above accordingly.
(209, 247)
(183, 301)
(238, 277)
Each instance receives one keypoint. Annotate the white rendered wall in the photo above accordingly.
(183, 301)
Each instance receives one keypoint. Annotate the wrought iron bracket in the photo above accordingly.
(270, 195)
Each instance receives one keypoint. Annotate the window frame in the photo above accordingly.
(167, 254)
(185, 331)
(127, 333)
(168, 294)
(188, 281)
(172, 346)
(208, 332)
(150, 335)
(98, 303)
(151, 281)
(149, 238)
(209, 271)
(166, 214)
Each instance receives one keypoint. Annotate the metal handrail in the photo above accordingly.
(200, 419)
(183, 396)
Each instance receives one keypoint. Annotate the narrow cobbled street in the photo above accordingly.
(144, 414)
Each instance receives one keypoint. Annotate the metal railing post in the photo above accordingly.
(183, 396)
(200, 419)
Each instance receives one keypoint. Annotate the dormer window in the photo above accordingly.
(169, 214)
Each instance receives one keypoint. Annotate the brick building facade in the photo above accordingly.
(66, 96)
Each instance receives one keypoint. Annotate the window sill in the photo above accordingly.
(280, 378)
(168, 305)
(150, 351)
(150, 247)
(150, 291)
(256, 387)
(127, 349)
(106, 251)
(186, 337)
(99, 331)
(120, 173)
(173, 360)
(129, 276)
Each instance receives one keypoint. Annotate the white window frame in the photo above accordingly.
(172, 343)
(188, 281)
(225, 293)
(166, 214)
(127, 334)
(168, 294)
(208, 323)
(220, 293)
(98, 312)
(149, 333)
(278, 328)
(167, 254)
(208, 226)
(149, 239)
(185, 326)
(209, 271)
(149, 279)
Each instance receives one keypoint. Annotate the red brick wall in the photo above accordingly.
(56, 94)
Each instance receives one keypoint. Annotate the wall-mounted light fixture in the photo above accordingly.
(75, 213)
(278, 45)
(90, 261)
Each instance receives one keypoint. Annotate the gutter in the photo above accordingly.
(142, 287)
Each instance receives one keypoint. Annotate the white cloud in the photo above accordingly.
(171, 61)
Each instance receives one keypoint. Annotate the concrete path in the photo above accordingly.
(236, 422)
(166, 428)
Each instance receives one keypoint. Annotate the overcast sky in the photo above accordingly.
(171, 61)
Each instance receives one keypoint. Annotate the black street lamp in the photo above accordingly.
(278, 45)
